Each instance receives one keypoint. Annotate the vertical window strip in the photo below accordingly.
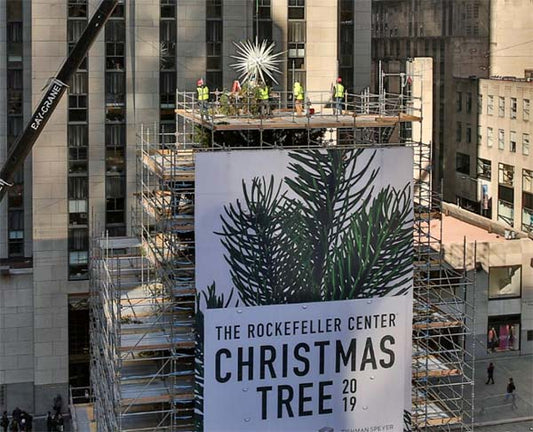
(78, 142)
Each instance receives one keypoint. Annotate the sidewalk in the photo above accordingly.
(490, 405)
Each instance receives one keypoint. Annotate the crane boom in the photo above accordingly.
(56, 88)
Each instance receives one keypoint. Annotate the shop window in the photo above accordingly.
(503, 333)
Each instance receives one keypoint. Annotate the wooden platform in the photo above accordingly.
(284, 120)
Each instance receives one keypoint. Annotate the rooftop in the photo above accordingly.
(455, 230)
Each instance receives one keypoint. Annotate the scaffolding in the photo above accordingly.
(443, 319)
(143, 288)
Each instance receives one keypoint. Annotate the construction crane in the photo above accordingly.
(56, 88)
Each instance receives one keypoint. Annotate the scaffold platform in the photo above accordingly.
(144, 286)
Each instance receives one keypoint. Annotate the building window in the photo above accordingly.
(512, 142)
(115, 108)
(505, 282)
(501, 106)
(263, 20)
(78, 257)
(506, 194)
(468, 134)
(484, 169)
(78, 147)
(490, 105)
(214, 9)
(214, 40)
(527, 200)
(490, 137)
(513, 108)
(459, 132)
(525, 109)
(503, 333)
(469, 102)
(462, 163)
(506, 175)
(15, 228)
(296, 9)
(346, 45)
(459, 101)
(479, 136)
(501, 139)
(168, 9)
(296, 42)
(480, 103)
(525, 144)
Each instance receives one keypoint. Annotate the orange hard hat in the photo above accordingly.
(200, 82)
(339, 79)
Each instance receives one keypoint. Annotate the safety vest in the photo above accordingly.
(263, 93)
(203, 93)
(298, 91)
(339, 90)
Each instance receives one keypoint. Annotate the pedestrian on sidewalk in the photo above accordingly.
(49, 422)
(4, 422)
(511, 388)
(490, 373)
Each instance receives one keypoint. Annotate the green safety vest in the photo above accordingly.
(263, 93)
(298, 91)
(203, 93)
(339, 90)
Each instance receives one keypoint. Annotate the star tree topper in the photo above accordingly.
(256, 60)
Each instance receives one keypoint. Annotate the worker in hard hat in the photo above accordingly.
(203, 97)
(298, 95)
(264, 99)
(338, 96)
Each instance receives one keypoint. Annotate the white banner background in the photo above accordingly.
(228, 407)
(237, 406)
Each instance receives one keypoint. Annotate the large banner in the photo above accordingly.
(304, 277)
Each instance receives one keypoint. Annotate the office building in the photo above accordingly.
(80, 178)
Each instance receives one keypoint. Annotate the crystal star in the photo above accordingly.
(255, 60)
